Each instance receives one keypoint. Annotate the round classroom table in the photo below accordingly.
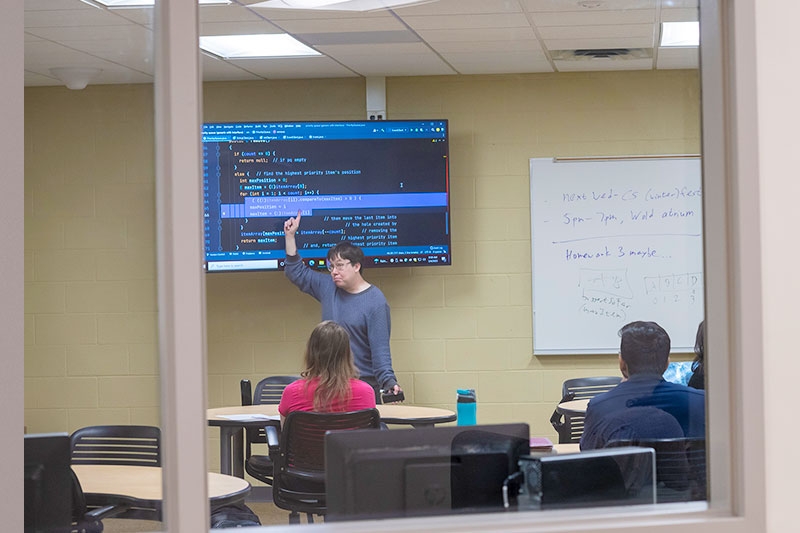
(573, 407)
(141, 486)
(231, 421)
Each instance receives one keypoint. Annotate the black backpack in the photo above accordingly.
(234, 515)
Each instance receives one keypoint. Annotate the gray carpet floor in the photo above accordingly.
(266, 511)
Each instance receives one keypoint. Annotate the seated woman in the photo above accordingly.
(330, 381)
(698, 379)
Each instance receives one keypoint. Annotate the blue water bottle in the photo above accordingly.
(466, 407)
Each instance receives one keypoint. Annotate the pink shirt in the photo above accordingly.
(296, 397)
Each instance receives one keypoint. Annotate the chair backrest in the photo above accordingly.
(571, 428)
(589, 387)
(680, 467)
(116, 445)
(269, 390)
(303, 435)
(299, 478)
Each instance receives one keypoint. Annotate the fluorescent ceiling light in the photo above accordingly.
(148, 3)
(251, 46)
(680, 34)
(338, 5)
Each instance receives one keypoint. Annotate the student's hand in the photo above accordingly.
(291, 225)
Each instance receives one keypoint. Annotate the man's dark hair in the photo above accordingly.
(644, 348)
(347, 251)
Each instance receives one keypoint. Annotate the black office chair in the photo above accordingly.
(299, 458)
(90, 520)
(680, 467)
(268, 392)
(570, 427)
(118, 445)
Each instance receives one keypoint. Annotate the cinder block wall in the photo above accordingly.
(90, 302)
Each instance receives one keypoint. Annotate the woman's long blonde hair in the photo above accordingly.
(328, 357)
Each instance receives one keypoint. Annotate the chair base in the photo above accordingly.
(294, 517)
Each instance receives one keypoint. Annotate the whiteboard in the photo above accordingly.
(614, 241)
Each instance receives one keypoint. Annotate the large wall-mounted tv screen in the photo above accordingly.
(382, 185)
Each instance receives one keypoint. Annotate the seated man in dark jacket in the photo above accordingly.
(644, 355)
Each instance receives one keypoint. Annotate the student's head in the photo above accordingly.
(344, 263)
(644, 349)
(700, 341)
(328, 350)
(699, 346)
(328, 357)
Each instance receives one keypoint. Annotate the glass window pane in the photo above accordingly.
(597, 86)
(91, 313)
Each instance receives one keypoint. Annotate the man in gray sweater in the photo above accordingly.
(349, 300)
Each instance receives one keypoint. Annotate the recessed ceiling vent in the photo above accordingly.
(604, 52)
(612, 54)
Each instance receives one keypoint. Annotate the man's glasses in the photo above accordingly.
(337, 266)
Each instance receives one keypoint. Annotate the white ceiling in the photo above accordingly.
(442, 37)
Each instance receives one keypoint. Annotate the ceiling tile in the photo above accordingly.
(483, 34)
(143, 16)
(593, 44)
(490, 64)
(575, 5)
(377, 49)
(493, 48)
(340, 25)
(289, 68)
(54, 5)
(595, 18)
(66, 34)
(73, 17)
(672, 58)
(437, 22)
(256, 27)
(41, 55)
(217, 70)
(363, 37)
(460, 7)
(597, 32)
(679, 15)
(227, 13)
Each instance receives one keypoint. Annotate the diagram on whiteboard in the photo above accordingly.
(615, 241)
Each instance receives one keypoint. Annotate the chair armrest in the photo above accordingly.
(108, 511)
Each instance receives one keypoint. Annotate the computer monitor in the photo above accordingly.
(48, 483)
(592, 478)
(425, 471)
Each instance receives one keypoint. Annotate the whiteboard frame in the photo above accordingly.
(593, 351)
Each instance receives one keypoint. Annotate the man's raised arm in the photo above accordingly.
(289, 230)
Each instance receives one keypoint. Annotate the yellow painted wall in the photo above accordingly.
(90, 302)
